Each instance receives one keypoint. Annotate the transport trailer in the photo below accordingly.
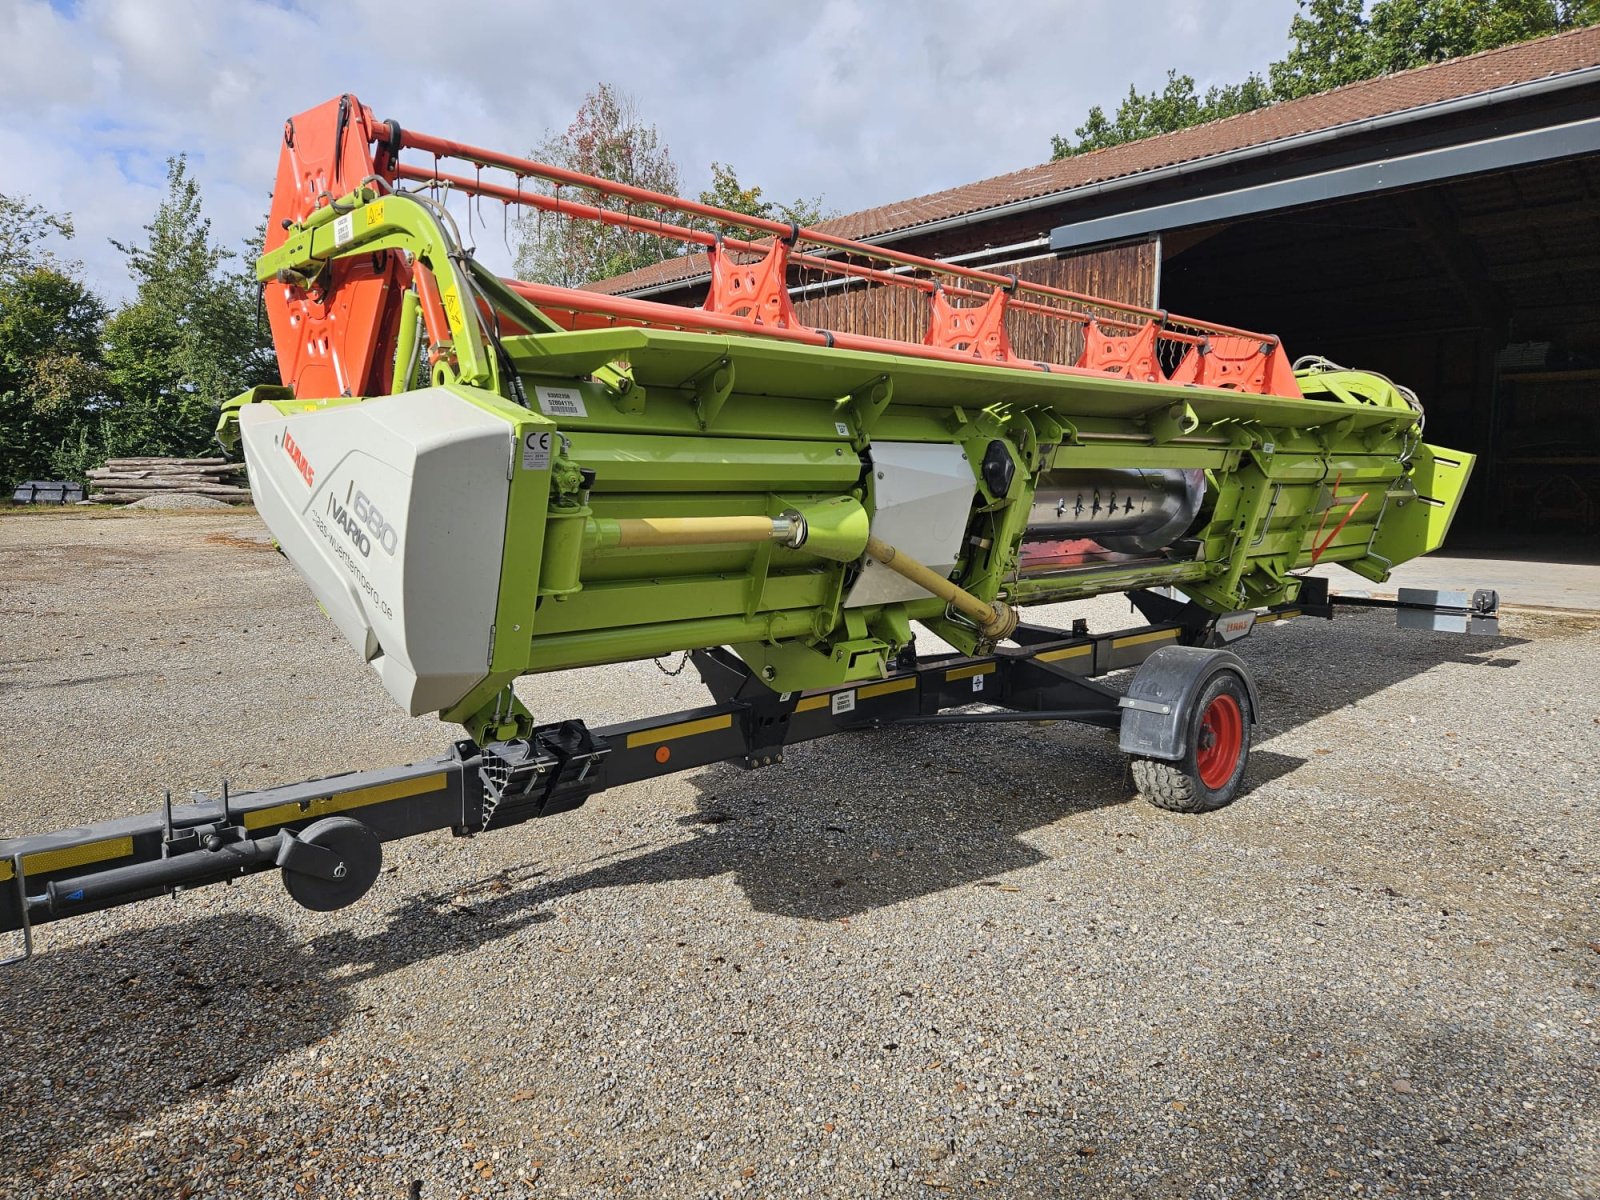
(325, 835)
(1185, 720)
(481, 478)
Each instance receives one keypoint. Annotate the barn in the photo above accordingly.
(1439, 225)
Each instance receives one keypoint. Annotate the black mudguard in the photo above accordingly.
(1159, 704)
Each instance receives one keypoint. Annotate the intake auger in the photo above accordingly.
(482, 478)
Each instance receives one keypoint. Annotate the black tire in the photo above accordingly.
(1208, 775)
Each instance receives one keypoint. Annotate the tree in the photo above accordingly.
(1410, 33)
(1335, 42)
(50, 324)
(1332, 46)
(727, 192)
(608, 139)
(189, 338)
(1176, 106)
(23, 226)
(50, 368)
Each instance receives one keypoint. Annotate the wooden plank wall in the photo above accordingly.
(1122, 273)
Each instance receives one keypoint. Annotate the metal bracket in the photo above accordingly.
(1435, 611)
(712, 387)
(764, 714)
(866, 404)
(1448, 612)
(1149, 706)
(19, 878)
(308, 859)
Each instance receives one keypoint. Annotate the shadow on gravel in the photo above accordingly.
(1324, 1103)
(175, 1024)
(876, 817)
(869, 819)
(843, 827)
(794, 853)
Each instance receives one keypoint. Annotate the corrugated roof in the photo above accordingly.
(1420, 86)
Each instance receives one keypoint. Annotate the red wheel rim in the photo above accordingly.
(1221, 741)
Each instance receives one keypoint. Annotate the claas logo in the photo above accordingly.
(297, 458)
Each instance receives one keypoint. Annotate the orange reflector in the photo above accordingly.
(663, 753)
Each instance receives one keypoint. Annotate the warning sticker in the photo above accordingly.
(561, 402)
(842, 702)
(536, 450)
(344, 228)
(451, 299)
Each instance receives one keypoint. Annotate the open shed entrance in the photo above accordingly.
(1482, 293)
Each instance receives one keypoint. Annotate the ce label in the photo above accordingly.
(536, 450)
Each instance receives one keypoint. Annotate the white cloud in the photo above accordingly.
(863, 102)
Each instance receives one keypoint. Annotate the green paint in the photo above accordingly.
(677, 424)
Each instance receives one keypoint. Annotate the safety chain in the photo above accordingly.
(677, 670)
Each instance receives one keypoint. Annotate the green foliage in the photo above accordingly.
(23, 226)
(1411, 33)
(77, 386)
(1331, 47)
(190, 335)
(49, 366)
(608, 139)
(1333, 43)
(189, 338)
(727, 192)
(50, 326)
(1176, 106)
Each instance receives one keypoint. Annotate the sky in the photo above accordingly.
(863, 102)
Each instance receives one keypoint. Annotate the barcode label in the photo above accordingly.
(561, 402)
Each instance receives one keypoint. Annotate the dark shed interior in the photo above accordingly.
(1481, 293)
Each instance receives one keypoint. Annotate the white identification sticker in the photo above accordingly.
(977, 683)
(843, 702)
(561, 402)
(344, 228)
(536, 450)
(844, 430)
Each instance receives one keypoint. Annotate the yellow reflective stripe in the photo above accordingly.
(969, 672)
(885, 689)
(42, 862)
(377, 793)
(1067, 652)
(825, 699)
(665, 733)
(1138, 639)
(1285, 615)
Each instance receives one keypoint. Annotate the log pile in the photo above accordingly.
(124, 480)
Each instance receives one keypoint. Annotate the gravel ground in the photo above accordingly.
(906, 963)
(178, 500)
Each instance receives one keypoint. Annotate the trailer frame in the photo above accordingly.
(325, 835)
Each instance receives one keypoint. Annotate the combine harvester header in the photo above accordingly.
(482, 478)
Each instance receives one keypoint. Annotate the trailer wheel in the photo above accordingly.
(1208, 775)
